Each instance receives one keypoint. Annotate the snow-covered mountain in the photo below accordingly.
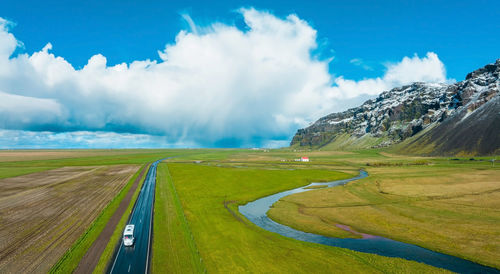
(436, 119)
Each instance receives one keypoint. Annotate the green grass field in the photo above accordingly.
(444, 204)
(228, 243)
(174, 249)
(447, 206)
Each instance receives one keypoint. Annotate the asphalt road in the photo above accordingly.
(135, 259)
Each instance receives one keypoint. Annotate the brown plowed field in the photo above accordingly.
(42, 214)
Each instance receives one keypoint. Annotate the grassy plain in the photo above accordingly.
(199, 193)
(447, 205)
(174, 249)
(210, 193)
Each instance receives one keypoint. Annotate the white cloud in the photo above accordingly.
(82, 139)
(215, 85)
(360, 63)
(426, 69)
(409, 70)
(21, 112)
(190, 22)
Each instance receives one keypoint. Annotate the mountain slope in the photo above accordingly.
(435, 119)
(477, 133)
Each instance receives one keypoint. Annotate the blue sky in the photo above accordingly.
(348, 50)
(465, 34)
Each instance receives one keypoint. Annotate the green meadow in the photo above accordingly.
(174, 248)
(210, 193)
(445, 204)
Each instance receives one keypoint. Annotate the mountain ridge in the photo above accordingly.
(462, 118)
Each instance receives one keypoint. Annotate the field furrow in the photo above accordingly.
(43, 213)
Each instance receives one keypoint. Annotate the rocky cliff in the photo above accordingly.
(436, 119)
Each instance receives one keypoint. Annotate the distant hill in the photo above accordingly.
(421, 118)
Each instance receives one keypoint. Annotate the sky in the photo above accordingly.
(127, 74)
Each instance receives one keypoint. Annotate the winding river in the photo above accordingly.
(256, 212)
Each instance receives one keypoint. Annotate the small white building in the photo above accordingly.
(304, 159)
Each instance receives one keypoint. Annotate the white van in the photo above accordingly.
(128, 235)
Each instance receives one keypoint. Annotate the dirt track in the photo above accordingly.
(42, 214)
(91, 258)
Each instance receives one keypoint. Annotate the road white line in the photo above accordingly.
(151, 220)
(116, 257)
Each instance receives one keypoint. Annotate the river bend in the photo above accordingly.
(256, 212)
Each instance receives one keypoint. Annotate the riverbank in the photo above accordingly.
(228, 244)
(449, 207)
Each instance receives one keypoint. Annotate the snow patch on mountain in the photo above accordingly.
(402, 112)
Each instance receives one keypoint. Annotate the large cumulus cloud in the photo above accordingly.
(215, 85)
